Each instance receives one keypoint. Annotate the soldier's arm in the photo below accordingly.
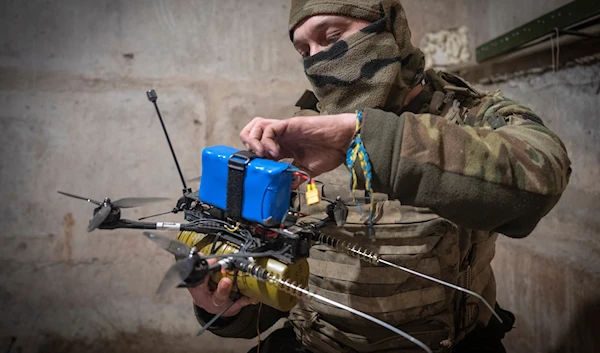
(504, 179)
(244, 324)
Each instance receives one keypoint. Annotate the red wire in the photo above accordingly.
(301, 175)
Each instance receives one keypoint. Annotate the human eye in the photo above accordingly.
(332, 38)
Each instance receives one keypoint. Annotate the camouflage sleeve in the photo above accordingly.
(504, 179)
(244, 324)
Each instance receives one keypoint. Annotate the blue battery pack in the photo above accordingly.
(267, 184)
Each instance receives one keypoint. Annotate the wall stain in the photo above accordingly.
(22, 246)
(68, 222)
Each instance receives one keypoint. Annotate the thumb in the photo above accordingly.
(221, 294)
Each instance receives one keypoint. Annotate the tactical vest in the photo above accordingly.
(412, 237)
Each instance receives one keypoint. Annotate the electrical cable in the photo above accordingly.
(297, 171)
(302, 293)
(374, 258)
(258, 327)
(215, 318)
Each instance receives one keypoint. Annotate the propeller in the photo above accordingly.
(80, 198)
(99, 217)
(155, 215)
(340, 214)
(107, 206)
(177, 274)
(173, 246)
(130, 202)
(182, 268)
(338, 208)
(354, 202)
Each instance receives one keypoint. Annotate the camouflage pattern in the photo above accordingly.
(523, 154)
(412, 237)
(375, 67)
(498, 155)
(368, 10)
(444, 222)
(507, 171)
(462, 171)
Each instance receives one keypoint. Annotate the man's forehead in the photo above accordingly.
(317, 23)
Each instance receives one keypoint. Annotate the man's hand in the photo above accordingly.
(317, 144)
(214, 302)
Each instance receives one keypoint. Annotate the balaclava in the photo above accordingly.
(374, 68)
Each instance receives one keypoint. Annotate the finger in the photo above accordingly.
(254, 140)
(245, 133)
(221, 294)
(269, 141)
(239, 305)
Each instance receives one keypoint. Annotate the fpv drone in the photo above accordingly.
(242, 216)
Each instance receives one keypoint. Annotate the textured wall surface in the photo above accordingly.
(73, 76)
(75, 117)
(551, 280)
(491, 19)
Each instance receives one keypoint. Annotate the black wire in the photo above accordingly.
(245, 254)
(214, 244)
(156, 215)
(201, 228)
(205, 327)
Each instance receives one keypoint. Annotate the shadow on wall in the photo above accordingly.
(583, 334)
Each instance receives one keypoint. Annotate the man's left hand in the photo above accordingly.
(317, 144)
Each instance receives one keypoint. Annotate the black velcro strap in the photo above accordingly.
(235, 182)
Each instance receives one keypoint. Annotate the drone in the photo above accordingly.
(243, 217)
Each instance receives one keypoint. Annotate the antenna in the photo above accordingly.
(152, 97)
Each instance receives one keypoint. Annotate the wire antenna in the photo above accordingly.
(261, 273)
(374, 258)
(152, 97)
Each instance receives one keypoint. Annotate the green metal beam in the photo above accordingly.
(565, 16)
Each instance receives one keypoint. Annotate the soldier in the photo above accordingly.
(458, 166)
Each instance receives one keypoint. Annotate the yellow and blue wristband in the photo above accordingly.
(358, 152)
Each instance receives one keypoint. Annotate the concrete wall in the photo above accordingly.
(73, 76)
(551, 280)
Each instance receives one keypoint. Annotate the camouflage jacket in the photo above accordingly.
(481, 161)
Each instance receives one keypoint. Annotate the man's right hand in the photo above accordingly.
(317, 144)
(214, 302)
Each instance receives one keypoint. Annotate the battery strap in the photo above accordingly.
(235, 182)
